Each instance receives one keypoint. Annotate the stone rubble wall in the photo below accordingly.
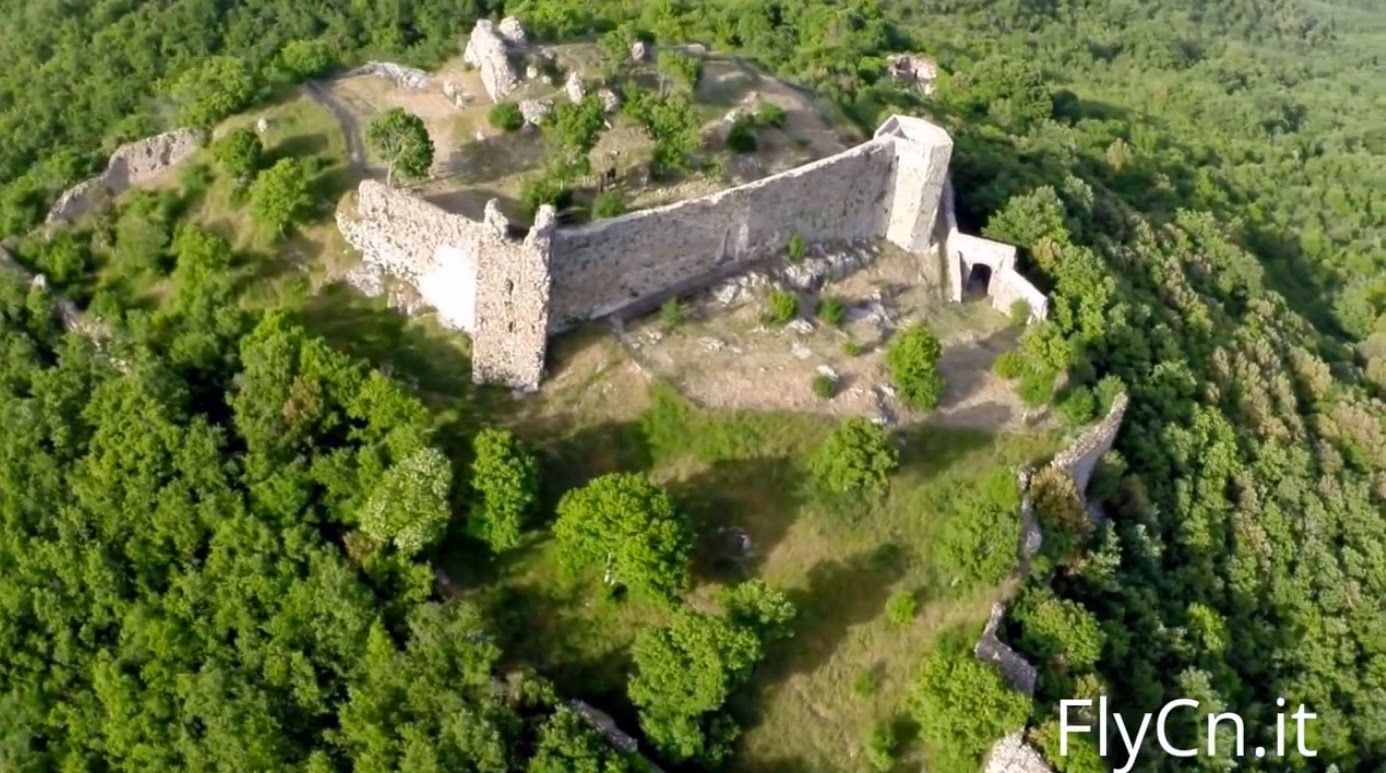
(478, 279)
(1080, 458)
(603, 266)
(402, 76)
(131, 164)
(1018, 671)
(493, 50)
(962, 251)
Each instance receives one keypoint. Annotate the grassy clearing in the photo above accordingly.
(847, 664)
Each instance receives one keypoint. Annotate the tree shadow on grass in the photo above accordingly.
(741, 510)
(841, 594)
(930, 451)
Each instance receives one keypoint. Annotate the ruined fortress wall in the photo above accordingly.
(922, 153)
(512, 304)
(1081, 456)
(603, 266)
(131, 164)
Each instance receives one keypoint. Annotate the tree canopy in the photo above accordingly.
(401, 140)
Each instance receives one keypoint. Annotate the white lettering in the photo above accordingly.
(1065, 728)
(1131, 746)
(1213, 720)
(1160, 728)
(1300, 715)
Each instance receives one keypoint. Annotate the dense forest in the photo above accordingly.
(215, 528)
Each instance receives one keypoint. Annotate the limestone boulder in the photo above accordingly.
(573, 87)
(639, 51)
(611, 102)
(535, 110)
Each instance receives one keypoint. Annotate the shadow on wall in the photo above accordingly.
(471, 203)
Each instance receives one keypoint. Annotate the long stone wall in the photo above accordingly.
(131, 164)
(510, 295)
(1080, 458)
(602, 266)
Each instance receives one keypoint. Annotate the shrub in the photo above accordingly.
(1078, 406)
(671, 313)
(866, 682)
(881, 746)
(784, 306)
(770, 114)
(796, 247)
(913, 362)
(506, 116)
(851, 348)
(1020, 312)
(1058, 630)
(946, 683)
(740, 138)
(756, 605)
(832, 311)
(239, 154)
(608, 204)
(901, 607)
(824, 386)
(1009, 365)
(548, 189)
(1036, 387)
(504, 488)
(978, 544)
(855, 460)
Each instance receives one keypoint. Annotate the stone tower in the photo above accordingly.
(512, 303)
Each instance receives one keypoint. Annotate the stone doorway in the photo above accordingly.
(978, 284)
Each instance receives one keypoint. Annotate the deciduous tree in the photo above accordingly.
(402, 141)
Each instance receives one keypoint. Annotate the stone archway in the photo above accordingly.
(978, 281)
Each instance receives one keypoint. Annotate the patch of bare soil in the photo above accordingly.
(724, 355)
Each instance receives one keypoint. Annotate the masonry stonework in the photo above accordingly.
(510, 295)
(494, 50)
(131, 164)
(1080, 458)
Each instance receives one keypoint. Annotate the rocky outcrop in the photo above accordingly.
(917, 71)
(130, 165)
(402, 76)
(497, 52)
(1013, 755)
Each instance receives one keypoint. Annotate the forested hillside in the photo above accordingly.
(1199, 186)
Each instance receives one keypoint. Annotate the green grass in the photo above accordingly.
(744, 471)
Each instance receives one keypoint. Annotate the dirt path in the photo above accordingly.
(351, 128)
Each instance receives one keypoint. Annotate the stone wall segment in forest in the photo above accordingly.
(131, 164)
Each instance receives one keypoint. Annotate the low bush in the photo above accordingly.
(824, 386)
(832, 311)
(506, 116)
(608, 204)
(901, 607)
(783, 307)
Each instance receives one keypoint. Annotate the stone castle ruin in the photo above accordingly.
(497, 51)
(131, 164)
(511, 293)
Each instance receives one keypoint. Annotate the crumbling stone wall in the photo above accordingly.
(963, 251)
(1080, 458)
(131, 164)
(917, 177)
(1018, 671)
(512, 324)
(496, 51)
(603, 266)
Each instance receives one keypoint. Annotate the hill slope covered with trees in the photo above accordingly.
(1198, 186)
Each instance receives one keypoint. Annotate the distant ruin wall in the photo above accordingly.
(512, 304)
(1081, 457)
(605, 265)
(494, 50)
(963, 251)
(131, 164)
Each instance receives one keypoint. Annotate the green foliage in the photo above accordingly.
(978, 544)
(854, 461)
(882, 745)
(824, 386)
(549, 188)
(901, 607)
(741, 138)
(1027, 220)
(504, 488)
(1077, 407)
(402, 141)
(783, 306)
(796, 247)
(239, 154)
(409, 507)
(1020, 312)
(683, 675)
(1060, 512)
(280, 195)
(567, 745)
(851, 348)
(913, 361)
(671, 313)
(629, 528)
(757, 606)
(866, 683)
(506, 116)
(608, 204)
(947, 682)
(672, 121)
(302, 59)
(1009, 365)
(684, 70)
(832, 311)
(1057, 630)
(216, 88)
(1036, 387)
(771, 115)
(572, 130)
(1082, 756)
